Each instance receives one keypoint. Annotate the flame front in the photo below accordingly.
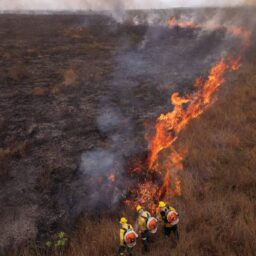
(165, 161)
(168, 127)
(173, 22)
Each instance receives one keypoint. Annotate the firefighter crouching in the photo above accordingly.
(146, 225)
(128, 237)
(170, 218)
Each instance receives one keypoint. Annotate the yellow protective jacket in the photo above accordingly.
(162, 213)
(123, 230)
(142, 221)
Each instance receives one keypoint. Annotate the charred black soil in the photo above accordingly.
(77, 83)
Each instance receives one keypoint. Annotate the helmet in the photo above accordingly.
(123, 220)
(162, 204)
(138, 208)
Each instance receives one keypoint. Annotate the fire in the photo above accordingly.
(165, 161)
(112, 178)
(243, 34)
(169, 125)
(173, 22)
(236, 31)
(146, 194)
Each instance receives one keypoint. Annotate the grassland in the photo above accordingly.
(58, 73)
(217, 205)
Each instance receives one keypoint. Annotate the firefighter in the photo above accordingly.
(142, 226)
(127, 237)
(170, 217)
(146, 225)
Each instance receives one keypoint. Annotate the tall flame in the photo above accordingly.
(169, 125)
(164, 159)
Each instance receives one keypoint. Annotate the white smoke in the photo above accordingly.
(100, 163)
(111, 4)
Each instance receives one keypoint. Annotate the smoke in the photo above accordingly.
(102, 170)
(117, 8)
(142, 79)
(250, 2)
(112, 4)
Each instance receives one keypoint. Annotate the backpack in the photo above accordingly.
(130, 237)
(171, 217)
(151, 223)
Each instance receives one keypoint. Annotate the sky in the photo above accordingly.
(110, 4)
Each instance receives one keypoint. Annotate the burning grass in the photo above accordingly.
(216, 189)
(164, 159)
(217, 204)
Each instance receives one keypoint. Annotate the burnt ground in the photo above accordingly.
(82, 83)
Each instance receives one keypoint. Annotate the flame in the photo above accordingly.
(165, 161)
(236, 31)
(168, 126)
(173, 22)
(242, 33)
(112, 178)
(146, 194)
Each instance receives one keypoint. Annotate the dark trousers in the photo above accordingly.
(172, 230)
(144, 238)
(123, 249)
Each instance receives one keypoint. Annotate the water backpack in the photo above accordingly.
(172, 217)
(151, 223)
(130, 238)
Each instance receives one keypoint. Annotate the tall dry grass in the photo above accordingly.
(217, 206)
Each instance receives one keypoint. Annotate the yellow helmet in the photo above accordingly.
(138, 208)
(162, 204)
(123, 220)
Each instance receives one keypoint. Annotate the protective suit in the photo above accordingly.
(170, 217)
(146, 225)
(127, 238)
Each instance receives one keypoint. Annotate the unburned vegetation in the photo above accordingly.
(217, 205)
(78, 86)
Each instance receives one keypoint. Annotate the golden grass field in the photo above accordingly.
(217, 205)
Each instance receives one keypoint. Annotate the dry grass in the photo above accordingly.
(69, 79)
(219, 185)
(217, 205)
(17, 72)
(101, 237)
(39, 91)
(13, 149)
(76, 65)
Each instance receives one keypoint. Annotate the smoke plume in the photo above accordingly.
(148, 62)
(102, 168)
(111, 4)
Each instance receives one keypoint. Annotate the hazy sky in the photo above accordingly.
(103, 4)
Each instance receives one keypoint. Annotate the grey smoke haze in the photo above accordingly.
(159, 48)
(100, 164)
(163, 57)
(112, 4)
